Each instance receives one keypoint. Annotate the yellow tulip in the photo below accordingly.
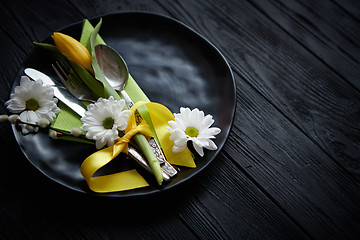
(73, 50)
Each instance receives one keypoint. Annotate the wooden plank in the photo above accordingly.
(324, 28)
(287, 163)
(274, 187)
(348, 5)
(90, 9)
(62, 213)
(207, 220)
(223, 203)
(20, 27)
(23, 22)
(10, 52)
(292, 170)
(214, 218)
(304, 89)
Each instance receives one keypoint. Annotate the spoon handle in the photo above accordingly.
(138, 157)
(127, 99)
(166, 167)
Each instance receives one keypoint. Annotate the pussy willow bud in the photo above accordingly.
(76, 132)
(13, 118)
(43, 122)
(53, 135)
(4, 118)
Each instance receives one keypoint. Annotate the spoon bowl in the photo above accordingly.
(114, 69)
(113, 66)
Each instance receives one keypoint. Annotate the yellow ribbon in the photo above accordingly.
(118, 181)
(160, 116)
(131, 179)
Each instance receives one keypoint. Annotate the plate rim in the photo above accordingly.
(154, 190)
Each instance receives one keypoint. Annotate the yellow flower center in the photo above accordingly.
(32, 104)
(192, 132)
(108, 123)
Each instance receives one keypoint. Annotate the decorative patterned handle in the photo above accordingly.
(164, 164)
(139, 158)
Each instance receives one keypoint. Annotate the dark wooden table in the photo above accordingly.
(290, 168)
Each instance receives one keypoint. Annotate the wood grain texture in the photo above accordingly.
(206, 221)
(194, 218)
(266, 60)
(289, 169)
(351, 8)
(24, 15)
(323, 28)
(224, 202)
(318, 101)
(9, 51)
(293, 171)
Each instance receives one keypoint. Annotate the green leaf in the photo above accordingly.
(108, 89)
(47, 46)
(87, 29)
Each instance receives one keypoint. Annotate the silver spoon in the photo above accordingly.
(114, 69)
(116, 73)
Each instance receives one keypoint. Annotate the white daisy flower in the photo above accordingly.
(192, 125)
(104, 119)
(33, 101)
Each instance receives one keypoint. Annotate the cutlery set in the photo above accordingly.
(116, 73)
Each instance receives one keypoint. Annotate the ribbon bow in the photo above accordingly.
(118, 181)
(158, 116)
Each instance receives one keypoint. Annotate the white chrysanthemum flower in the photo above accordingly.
(193, 125)
(104, 119)
(33, 101)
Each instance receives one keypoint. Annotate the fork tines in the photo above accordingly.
(72, 81)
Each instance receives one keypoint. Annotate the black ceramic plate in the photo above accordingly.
(173, 65)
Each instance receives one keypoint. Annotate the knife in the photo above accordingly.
(77, 106)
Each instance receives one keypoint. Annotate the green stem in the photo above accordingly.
(140, 139)
(145, 148)
(142, 142)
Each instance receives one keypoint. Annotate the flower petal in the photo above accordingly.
(96, 114)
(198, 147)
(211, 146)
(43, 95)
(196, 119)
(207, 121)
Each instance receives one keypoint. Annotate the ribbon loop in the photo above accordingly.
(117, 181)
(155, 119)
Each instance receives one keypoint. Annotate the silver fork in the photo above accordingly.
(82, 92)
(74, 83)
